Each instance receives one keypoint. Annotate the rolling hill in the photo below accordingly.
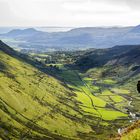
(119, 55)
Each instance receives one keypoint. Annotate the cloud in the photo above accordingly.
(95, 7)
(133, 4)
(5, 13)
(69, 12)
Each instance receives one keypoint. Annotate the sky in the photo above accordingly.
(69, 13)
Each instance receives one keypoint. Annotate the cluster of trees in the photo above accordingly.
(138, 86)
(59, 57)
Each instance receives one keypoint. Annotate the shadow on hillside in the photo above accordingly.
(25, 59)
(2, 67)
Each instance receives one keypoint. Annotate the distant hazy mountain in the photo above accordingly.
(136, 29)
(79, 38)
(19, 32)
(22, 34)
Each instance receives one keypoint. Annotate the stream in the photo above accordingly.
(134, 117)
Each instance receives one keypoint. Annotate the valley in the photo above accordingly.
(100, 90)
(69, 69)
(52, 96)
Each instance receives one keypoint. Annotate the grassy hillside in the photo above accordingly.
(130, 133)
(34, 105)
(118, 55)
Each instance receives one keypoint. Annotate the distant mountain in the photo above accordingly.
(136, 29)
(79, 38)
(20, 32)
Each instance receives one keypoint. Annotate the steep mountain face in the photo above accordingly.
(5, 48)
(34, 105)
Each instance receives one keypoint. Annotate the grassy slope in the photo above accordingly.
(130, 133)
(90, 104)
(34, 105)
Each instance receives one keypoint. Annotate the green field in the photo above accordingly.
(90, 103)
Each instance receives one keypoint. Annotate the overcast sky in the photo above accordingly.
(69, 12)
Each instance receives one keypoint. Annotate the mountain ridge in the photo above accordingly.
(75, 39)
(106, 55)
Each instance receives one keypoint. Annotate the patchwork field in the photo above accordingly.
(91, 102)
